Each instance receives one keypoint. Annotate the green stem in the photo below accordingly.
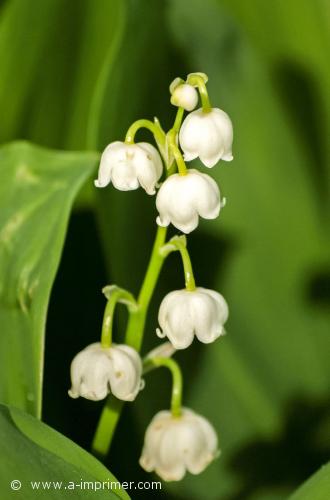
(171, 168)
(114, 295)
(180, 243)
(176, 399)
(198, 81)
(178, 119)
(135, 327)
(154, 128)
(172, 134)
(187, 266)
(106, 426)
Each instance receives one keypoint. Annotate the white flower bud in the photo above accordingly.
(208, 136)
(183, 198)
(129, 166)
(185, 96)
(183, 314)
(174, 445)
(96, 371)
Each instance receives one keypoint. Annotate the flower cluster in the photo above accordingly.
(179, 440)
(205, 133)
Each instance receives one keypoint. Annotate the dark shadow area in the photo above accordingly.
(301, 449)
(318, 290)
(74, 321)
(212, 255)
(301, 98)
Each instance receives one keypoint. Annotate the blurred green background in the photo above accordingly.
(73, 76)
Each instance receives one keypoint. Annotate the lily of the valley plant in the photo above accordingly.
(177, 440)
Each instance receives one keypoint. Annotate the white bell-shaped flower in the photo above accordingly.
(174, 445)
(207, 135)
(183, 198)
(184, 314)
(185, 96)
(129, 166)
(96, 371)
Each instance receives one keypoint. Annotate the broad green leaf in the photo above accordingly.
(37, 190)
(309, 51)
(311, 19)
(88, 37)
(316, 487)
(101, 39)
(24, 31)
(99, 49)
(66, 50)
(33, 452)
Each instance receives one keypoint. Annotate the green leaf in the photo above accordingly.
(66, 52)
(34, 452)
(308, 51)
(23, 42)
(316, 487)
(101, 38)
(37, 189)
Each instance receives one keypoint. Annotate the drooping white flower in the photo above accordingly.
(96, 371)
(183, 198)
(174, 445)
(207, 135)
(185, 95)
(184, 314)
(129, 166)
